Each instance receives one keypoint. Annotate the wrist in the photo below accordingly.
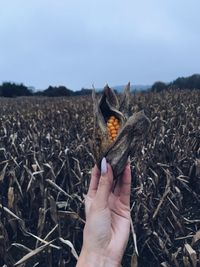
(92, 259)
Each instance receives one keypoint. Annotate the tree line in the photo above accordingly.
(8, 89)
(191, 82)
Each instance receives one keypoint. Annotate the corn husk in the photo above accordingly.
(132, 129)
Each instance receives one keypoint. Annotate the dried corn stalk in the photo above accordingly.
(115, 133)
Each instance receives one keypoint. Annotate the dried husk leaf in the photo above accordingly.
(196, 237)
(68, 243)
(125, 102)
(134, 260)
(104, 108)
(131, 131)
(32, 253)
(192, 254)
(11, 197)
(108, 106)
(3, 172)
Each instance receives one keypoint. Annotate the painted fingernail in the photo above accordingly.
(128, 161)
(104, 168)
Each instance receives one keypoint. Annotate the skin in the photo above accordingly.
(107, 225)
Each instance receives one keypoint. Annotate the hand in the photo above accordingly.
(107, 225)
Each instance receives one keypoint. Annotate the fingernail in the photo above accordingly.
(104, 166)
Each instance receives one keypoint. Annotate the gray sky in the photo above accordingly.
(78, 43)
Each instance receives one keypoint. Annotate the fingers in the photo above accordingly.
(118, 186)
(104, 187)
(95, 175)
(124, 189)
(88, 202)
(101, 187)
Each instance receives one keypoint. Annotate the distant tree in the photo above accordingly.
(191, 82)
(83, 91)
(159, 86)
(57, 91)
(38, 93)
(179, 83)
(13, 90)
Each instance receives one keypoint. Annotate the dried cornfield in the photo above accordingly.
(46, 154)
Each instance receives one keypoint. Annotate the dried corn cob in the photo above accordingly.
(113, 127)
(116, 133)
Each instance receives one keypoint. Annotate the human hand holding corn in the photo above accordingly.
(107, 225)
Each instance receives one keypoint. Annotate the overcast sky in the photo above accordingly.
(78, 43)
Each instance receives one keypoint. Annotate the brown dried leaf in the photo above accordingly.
(125, 102)
(164, 264)
(3, 172)
(53, 209)
(133, 131)
(134, 260)
(68, 243)
(21, 247)
(186, 262)
(41, 220)
(32, 253)
(192, 254)
(196, 237)
(34, 167)
(11, 197)
(197, 164)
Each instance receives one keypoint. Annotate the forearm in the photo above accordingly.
(93, 260)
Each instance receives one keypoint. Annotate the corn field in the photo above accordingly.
(46, 155)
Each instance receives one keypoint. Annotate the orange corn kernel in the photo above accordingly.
(109, 124)
(113, 131)
(113, 135)
(113, 127)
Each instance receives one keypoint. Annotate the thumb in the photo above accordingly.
(105, 184)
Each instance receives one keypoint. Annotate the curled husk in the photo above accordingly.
(132, 129)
